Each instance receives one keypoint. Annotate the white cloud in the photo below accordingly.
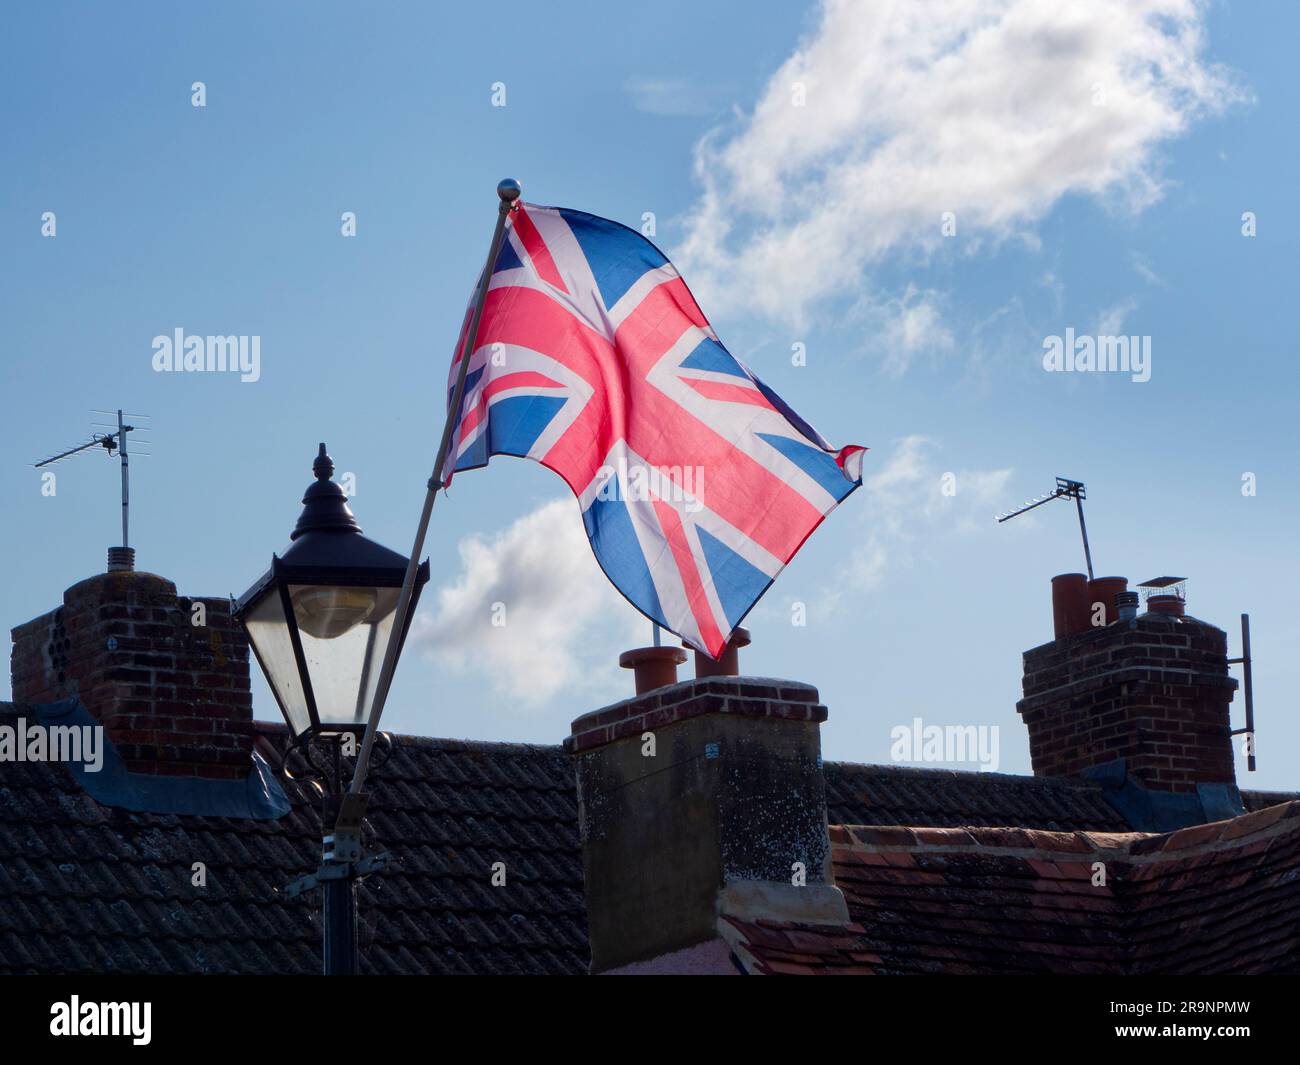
(1143, 268)
(912, 498)
(915, 326)
(564, 622)
(991, 110)
(1056, 287)
(904, 327)
(674, 96)
(1110, 322)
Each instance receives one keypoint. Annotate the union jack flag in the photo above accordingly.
(697, 483)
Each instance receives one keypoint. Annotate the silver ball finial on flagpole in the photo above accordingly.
(509, 190)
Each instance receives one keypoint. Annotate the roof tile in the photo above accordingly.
(86, 888)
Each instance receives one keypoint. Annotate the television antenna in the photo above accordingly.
(114, 443)
(1065, 489)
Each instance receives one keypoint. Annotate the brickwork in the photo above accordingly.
(1154, 691)
(173, 696)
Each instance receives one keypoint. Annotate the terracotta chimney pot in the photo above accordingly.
(728, 663)
(653, 667)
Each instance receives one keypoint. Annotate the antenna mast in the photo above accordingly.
(115, 443)
(126, 481)
(1065, 489)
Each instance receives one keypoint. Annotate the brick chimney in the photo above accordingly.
(696, 800)
(172, 694)
(1140, 702)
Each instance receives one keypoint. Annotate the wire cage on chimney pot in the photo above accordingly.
(1164, 595)
(319, 619)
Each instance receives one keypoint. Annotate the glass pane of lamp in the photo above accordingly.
(344, 633)
(268, 631)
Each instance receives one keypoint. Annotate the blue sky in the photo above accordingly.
(1097, 162)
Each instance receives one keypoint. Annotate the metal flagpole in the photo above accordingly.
(351, 811)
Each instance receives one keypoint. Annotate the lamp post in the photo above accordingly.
(319, 621)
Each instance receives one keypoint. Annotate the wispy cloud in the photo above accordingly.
(912, 499)
(991, 111)
(907, 326)
(676, 96)
(1056, 287)
(512, 614)
(1142, 267)
(1110, 322)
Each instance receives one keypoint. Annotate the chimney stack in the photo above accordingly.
(1136, 701)
(695, 801)
(167, 677)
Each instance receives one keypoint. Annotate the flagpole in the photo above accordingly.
(508, 190)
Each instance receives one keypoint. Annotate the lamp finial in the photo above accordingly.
(325, 504)
(323, 467)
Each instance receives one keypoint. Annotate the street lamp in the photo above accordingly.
(319, 622)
